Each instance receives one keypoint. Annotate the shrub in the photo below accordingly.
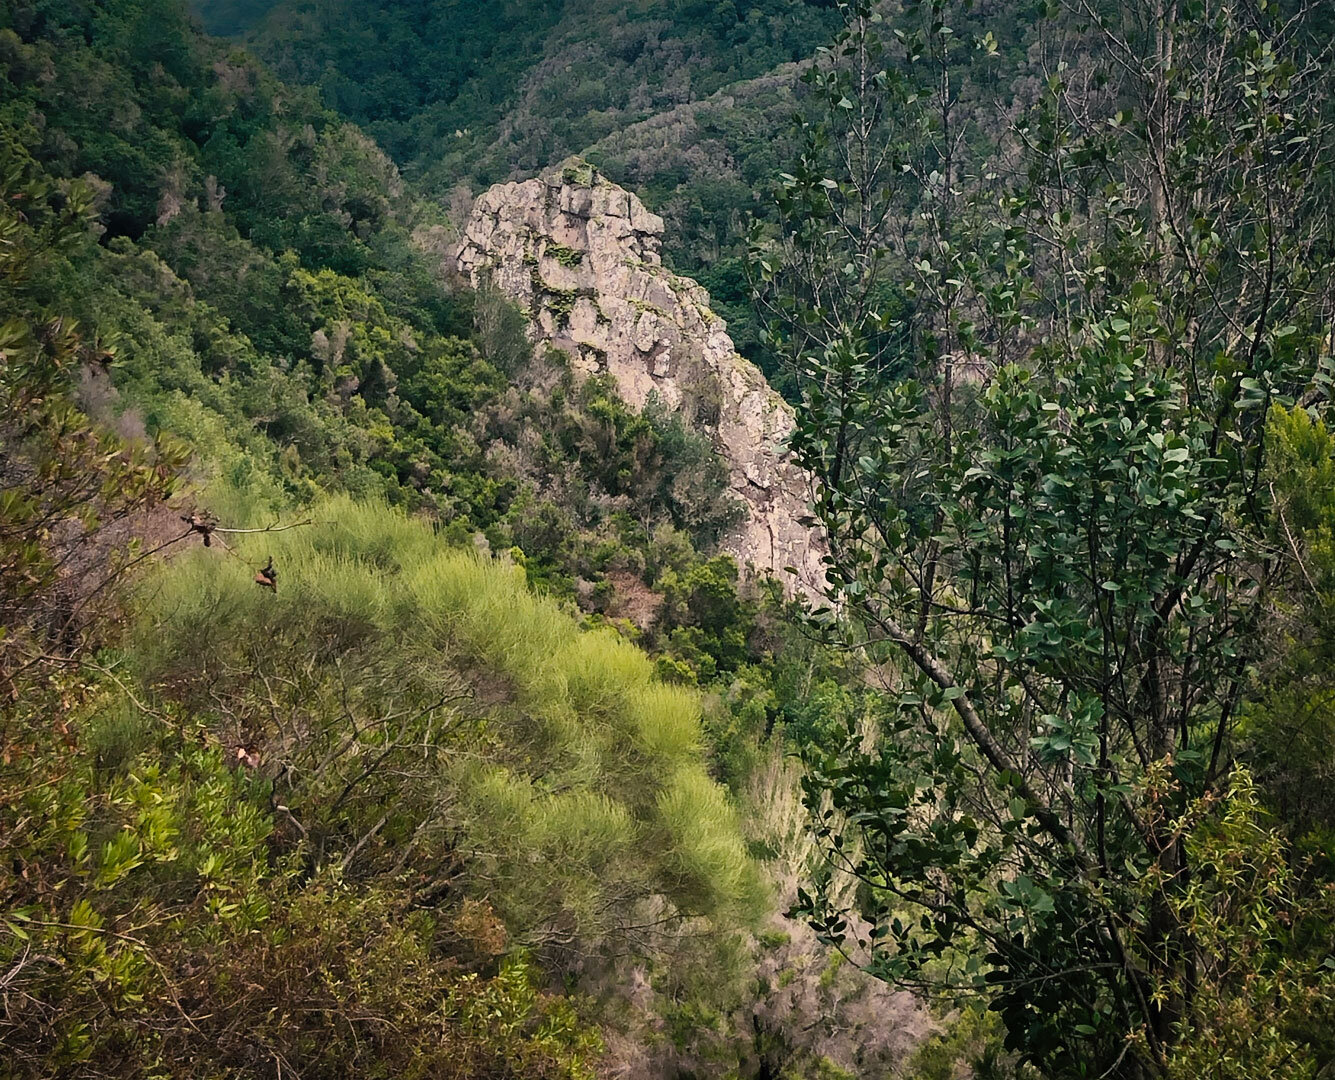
(399, 693)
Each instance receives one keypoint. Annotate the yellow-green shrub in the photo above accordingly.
(400, 693)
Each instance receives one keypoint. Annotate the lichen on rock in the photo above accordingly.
(582, 257)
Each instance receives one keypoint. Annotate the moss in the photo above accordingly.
(579, 174)
(560, 302)
(644, 305)
(566, 256)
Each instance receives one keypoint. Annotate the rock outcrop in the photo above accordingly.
(581, 256)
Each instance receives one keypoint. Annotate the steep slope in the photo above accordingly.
(249, 277)
(582, 256)
(230, 18)
(706, 166)
(495, 91)
(687, 103)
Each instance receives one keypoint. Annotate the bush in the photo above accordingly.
(399, 693)
(152, 927)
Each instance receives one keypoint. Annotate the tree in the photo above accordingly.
(1056, 526)
(1264, 993)
(1288, 733)
(65, 482)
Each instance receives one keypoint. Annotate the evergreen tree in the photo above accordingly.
(1036, 370)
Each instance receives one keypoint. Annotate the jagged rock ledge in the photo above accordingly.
(581, 256)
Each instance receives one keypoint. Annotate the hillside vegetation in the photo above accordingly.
(430, 711)
(374, 698)
(694, 106)
(688, 104)
(457, 90)
(418, 809)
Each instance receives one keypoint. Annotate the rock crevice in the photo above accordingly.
(581, 256)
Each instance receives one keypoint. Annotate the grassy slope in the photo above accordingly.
(568, 781)
(150, 855)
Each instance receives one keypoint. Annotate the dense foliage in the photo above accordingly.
(149, 924)
(456, 89)
(269, 281)
(1037, 379)
(373, 698)
(680, 101)
(222, 304)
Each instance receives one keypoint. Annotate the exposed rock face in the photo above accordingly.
(581, 256)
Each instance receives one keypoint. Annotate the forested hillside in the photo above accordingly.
(461, 91)
(690, 104)
(231, 18)
(376, 696)
(260, 452)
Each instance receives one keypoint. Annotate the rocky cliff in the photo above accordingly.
(581, 256)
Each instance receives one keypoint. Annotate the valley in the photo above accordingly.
(665, 540)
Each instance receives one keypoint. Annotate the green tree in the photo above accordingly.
(64, 480)
(1262, 993)
(1056, 529)
(1288, 733)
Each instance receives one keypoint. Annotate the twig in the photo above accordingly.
(148, 953)
(1293, 544)
(275, 528)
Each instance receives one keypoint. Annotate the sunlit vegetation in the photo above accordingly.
(375, 699)
(391, 791)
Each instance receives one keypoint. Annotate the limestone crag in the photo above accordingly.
(581, 256)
